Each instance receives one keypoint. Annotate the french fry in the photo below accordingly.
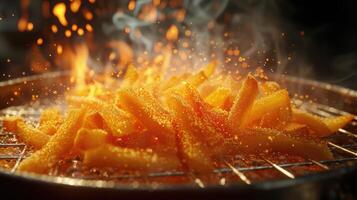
(336, 123)
(131, 75)
(296, 129)
(221, 98)
(149, 112)
(269, 140)
(198, 78)
(118, 121)
(194, 124)
(315, 123)
(31, 135)
(9, 124)
(129, 159)
(194, 155)
(271, 111)
(51, 116)
(93, 120)
(243, 102)
(89, 139)
(58, 146)
(269, 87)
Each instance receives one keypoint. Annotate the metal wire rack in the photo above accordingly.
(343, 145)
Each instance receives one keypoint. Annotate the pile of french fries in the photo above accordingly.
(147, 122)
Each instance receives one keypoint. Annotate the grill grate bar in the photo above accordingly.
(19, 159)
(280, 169)
(323, 166)
(342, 148)
(238, 173)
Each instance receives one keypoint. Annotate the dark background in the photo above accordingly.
(329, 39)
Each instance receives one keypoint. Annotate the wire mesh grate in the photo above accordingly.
(343, 145)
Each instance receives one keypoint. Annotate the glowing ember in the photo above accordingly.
(172, 34)
(75, 5)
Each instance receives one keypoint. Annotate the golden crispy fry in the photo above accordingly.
(131, 76)
(193, 123)
(51, 116)
(89, 139)
(149, 112)
(336, 123)
(31, 135)
(221, 98)
(269, 87)
(243, 102)
(269, 140)
(198, 78)
(93, 120)
(118, 121)
(129, 159)
(315, 123)
(9, 124)
(296, 129)
(272, 111)
(194, 155)
(58, 146)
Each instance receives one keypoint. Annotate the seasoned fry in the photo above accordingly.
(263, 140)
(149, 112)
(336, 123)
(9, 124)
(269, 87)
(31, 135)
(272, 111)
(194, 155)
(129, 159)
(243, 102)
(316, 125)
(221, 98)
(58, 146)
(89, 139)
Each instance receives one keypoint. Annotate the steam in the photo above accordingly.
(256, 28)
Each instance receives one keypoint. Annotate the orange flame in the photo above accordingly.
(59, 10)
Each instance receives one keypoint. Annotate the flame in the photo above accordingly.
(172, 33)
(59, 10)
(79, 65)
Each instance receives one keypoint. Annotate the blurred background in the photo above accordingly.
(311, 39)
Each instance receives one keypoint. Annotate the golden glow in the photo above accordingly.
(80, 31)
(131, 5)
(172, 33)
(54, 29)
(74, 27)
(39, 41)
(59, 49)
(59, 10)
(88, 15)
(68, 33)
(89, 28)
(75, 5)
(22, 24)
(29, 26)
